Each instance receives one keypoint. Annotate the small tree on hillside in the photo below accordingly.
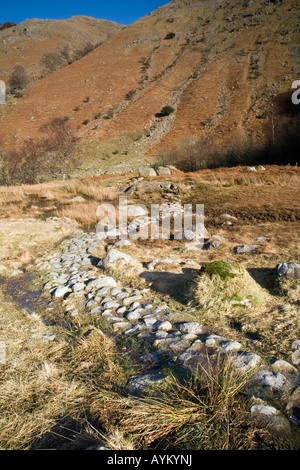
(19, 79)
(60, 147)
(53, 156)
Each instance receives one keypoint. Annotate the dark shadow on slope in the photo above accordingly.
(265, 277)
(66, 434)
(177, 285)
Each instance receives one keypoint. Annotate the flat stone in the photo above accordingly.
(137, 384)
(136, 210)
(195, 347)
(160, 309)
(152, 264)
(106, 313)
(296, 344)
(230, 217)
(149, 321)
(246, 249)
(284, 366)
(115, 319)
(162, 170)
(49, 336)
(79, 286)
(133, 330)
(244, 361)
(122, 295)
(178, 347)
(108, 305)
(191, 327)
(288, 270)
(163, 326)
(296, 357)
(189, 336)
(129, 300)
(229, 346)
(266, 415)
(134, 306)
(161, 334)
(213, 242)
(95, 310)
(264, 410)
(115, 291)
(121, 309)
(132, 316)
(268, 384)
(122, 325)
(114, 256)
(147, 171)
(102, 282)
(61, 291)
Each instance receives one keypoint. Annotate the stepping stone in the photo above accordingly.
(163, 326)
(244, 361)
(230, 346)
(108, 305)
(190, 327)
(102, 282)
(129, 300)
(132, 316)
(246, 249)
(61, 291)
(120, 325)
(49, 336)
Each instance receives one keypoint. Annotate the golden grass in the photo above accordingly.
(199, 413)
(56, 198)
(44, 384)
(215, 291)
(34, 392)
(22, 240)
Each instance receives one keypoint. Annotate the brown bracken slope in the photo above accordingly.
(26, 43)
(223, 65)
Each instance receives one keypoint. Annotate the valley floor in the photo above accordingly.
(110, 354)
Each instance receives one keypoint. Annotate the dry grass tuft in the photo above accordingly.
(226, 283)
(56, 198)
(200, 413)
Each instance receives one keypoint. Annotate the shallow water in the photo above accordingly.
(20, 290)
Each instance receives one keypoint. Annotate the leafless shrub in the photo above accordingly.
(52, 61)
(18, 80)
(52, 156)
(279, 146)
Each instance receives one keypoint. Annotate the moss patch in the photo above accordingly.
(223, 268)
(222, 282)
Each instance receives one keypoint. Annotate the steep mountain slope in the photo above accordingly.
(28, 43)
(223, 65)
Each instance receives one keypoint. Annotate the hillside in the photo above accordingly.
(226, 67)
(29, 43)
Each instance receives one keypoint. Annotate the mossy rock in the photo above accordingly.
(224, 269)
(222, 282)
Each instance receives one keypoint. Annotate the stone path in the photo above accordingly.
(74, 278)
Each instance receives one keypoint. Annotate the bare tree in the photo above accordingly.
(19, 79)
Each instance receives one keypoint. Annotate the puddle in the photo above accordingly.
(18, 289)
